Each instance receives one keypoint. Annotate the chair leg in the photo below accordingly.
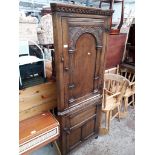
(121, 105)
(133, 99)
(126, 104)
(107, 116)
(104, 130)
(109, 120)
(57, 147)
(118, 108)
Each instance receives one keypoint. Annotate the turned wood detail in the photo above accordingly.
(76, 32)
(63, 8)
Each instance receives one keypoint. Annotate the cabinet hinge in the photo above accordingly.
(71, 51)
(96, 77)
(66, 69)
(67, 130)
(99, 47)
(95, 91)
(62, 59)
(71, 86)
(71, 100)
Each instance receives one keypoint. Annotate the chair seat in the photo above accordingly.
(129, 92)
(111, 104)
(23, 60)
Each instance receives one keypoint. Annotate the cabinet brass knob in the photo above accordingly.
(89, 53)
(66, 69)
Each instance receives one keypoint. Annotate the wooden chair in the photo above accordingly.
(114, 89)
(114, 30)
(128, 73)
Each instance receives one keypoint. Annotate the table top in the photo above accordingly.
(36, 125)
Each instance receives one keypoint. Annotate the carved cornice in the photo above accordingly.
(68, 8)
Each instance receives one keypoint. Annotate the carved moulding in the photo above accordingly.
(83, 104)
(76, 32)
(55, 7)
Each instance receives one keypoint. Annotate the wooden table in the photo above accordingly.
(37, 131)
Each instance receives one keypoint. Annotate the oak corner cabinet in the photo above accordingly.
(80, 41)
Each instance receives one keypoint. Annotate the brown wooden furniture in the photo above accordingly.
(127, 68)
(37, 99)
(114, 89)
(128, 72)
(37, 131)
(113, 70)
(111, 3)
(116, 45)
(80, 41)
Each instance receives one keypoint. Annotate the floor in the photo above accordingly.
(120, 140)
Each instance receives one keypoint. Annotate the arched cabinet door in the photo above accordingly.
(84, 66)
(82, 58)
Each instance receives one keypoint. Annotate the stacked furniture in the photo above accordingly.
(114, 89)
(127, 68)
(45, 37)
(129, 55)
(37, 99)
(115, 28)
(31, 67)
(129, 96)
(80, 42)
(45, 34)
(28, 28)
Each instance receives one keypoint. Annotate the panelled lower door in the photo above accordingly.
(80, 126)
(82, 47)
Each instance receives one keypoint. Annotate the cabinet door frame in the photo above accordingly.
(72, 30)
(58, 20)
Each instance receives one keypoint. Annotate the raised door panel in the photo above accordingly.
(82, 48)
(80, 132)
(84, 65)
(73, 139)
(82, 116)
(80, 126)
(89, 128)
